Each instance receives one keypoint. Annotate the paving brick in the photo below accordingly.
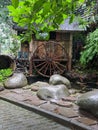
(18, 91)
(66, 112)
(48, 106)
(31, 98)
(4, 92)
(62, 103)
(14, 96)
(70, 98)
(21, 119)
(87, 121)
(64, 107)
(35, 101)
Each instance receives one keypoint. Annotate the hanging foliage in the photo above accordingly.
(42, 15)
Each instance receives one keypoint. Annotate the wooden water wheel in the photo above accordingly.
(49, 58)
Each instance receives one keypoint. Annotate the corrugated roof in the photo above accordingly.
(66, 26)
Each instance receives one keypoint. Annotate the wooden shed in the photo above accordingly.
(52, 56)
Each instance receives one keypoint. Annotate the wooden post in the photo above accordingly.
(70, 52)
(30, 57)
(32, 48)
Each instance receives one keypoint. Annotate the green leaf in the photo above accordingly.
(46, 8)
(38, 5)
(81, 1)
(15, 3)
(69, 1)
(65, 16)
(71, 18)
(11, 8)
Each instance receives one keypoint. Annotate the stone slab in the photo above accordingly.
(34, 100)
(18, 91)
(48, 106)
(87, 121)
(70, 98)
(68, 112)
(62, 103)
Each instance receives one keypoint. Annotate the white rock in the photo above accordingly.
(58, 79)
(17, 80)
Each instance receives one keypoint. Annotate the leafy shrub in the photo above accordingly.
(4, 73)
(91, 48)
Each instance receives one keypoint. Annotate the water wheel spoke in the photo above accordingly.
(58, 68)
(38, 60)
(46, 49)
(53, 68)
(50, 69)
(55, 56)
(43, 67)
(60, 60)
(61, 65)
(46, 69)
(40, 64)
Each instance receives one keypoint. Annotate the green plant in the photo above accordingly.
(91, 48)
(42, 15)
(4, 74)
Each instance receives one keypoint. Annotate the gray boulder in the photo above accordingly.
(53, 92)
(57, 79)
(89, 102)
(1, 86)
(17, 80)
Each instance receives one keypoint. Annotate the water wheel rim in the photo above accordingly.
(48, 63)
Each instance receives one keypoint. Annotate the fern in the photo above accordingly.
(91, 48)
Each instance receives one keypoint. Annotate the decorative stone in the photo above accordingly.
(57, 79)
(89, 102)
(53, 92)
(1, 87)
(35, 86)
(17, 80)
(38, 84)
(62, 103)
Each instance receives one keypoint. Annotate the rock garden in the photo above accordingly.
(57, 89)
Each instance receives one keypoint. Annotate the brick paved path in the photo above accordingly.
(13, 117)
(70, 116)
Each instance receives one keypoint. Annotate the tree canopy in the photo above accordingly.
(42, 15)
